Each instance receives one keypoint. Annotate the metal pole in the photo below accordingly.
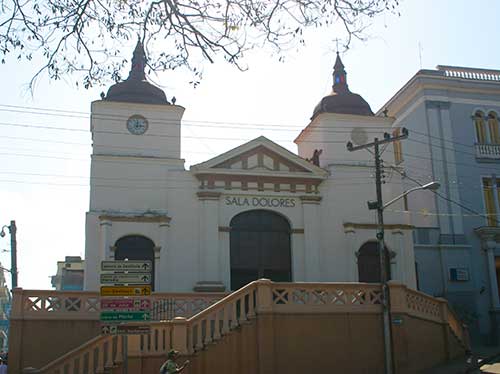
(125, 354)
(13, 253)
(386, 320)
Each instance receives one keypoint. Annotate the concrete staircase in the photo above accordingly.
(266, 327)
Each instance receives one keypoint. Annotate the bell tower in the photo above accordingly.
(136, 134)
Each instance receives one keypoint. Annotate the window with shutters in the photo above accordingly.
(480, 127)
(493, 128)
(491, 193)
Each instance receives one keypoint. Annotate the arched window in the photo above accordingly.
(369, 263)
(259, 248)
(480, 127)
(136, 247)
(493, 128)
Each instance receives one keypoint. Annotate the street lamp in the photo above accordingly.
(13, 250)
(380, 206)
(432, 186)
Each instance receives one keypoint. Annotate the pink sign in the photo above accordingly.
(125, 304)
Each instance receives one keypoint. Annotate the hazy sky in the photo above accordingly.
(44, 172)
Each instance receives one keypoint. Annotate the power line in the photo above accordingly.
(450, 200)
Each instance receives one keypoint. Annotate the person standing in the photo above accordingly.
(3, 366)
(170, 366)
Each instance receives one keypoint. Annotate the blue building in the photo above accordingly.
(452, 117)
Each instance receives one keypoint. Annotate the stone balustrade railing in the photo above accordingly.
(218, 319)
(263, 296)
(83, 305)
(489, 151)
(326, 297)
(106, 351)
(91, 357)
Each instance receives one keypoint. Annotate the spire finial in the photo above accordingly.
(339, 76)
(138, 62)
(337, 41)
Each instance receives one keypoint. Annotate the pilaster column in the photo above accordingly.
(310, 206)
(157, 272)
(489, 246)
(351, 254)
(105, 237)
(210, 273)
(398, 261)
(163, 277)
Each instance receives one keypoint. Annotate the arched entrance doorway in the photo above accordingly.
(136, 247)
(369, 263)
(259, 248)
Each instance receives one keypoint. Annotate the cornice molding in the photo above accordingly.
(136, 218)
(348, 226)
(208, 195)
(488, 233)
(313, 199)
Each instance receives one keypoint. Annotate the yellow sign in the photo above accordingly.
(125, 290)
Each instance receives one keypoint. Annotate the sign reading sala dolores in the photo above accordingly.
(263, 202)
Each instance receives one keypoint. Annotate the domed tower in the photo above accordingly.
(333, 119)
(136, 89)
(136, 140)
(342, 100)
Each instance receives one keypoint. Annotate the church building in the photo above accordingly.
(256, 211)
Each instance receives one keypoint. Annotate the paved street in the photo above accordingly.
(459, 366)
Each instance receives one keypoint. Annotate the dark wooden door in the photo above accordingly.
(369, 263)
(136, 247)
(259, 248)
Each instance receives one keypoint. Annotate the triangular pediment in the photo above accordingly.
(260, 156)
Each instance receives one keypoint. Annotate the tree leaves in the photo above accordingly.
(84, 37)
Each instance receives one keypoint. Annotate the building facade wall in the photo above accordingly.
(136, 189)
(442, 147)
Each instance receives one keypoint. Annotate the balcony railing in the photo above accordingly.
(488, 151)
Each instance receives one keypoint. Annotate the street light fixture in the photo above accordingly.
(431, 186)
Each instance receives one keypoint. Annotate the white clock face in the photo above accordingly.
(137, 125)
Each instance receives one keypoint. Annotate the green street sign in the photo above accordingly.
(125, 316)
(130, 266)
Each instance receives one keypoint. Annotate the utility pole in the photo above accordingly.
(13, 250)
(379, 206)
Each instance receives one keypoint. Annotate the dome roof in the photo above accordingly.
(136, 89)
(350, 103)
(342, 100)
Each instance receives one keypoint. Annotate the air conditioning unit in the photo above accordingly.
(459, 274)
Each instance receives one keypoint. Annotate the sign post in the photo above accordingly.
(125, 287)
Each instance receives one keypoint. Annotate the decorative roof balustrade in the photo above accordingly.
(469, 73)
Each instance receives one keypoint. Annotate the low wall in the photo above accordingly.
(274, 328)
(340, 343)
(46, 324)
(36, 342)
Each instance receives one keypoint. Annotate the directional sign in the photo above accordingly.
(125, 329)
(108, 329)
(125, 278)
(126, 290)
(126, 304)
(130, 266)
(125, 316)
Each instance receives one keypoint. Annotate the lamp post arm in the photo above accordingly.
(390, 202)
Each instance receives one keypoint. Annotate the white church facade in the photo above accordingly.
(256, 211)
